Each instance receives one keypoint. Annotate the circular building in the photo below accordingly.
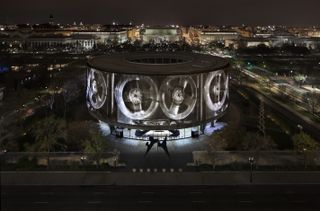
(163, 94)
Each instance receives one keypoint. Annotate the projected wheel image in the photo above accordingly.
(137, 97)
(96, 89)
(178, 96)
(216, 90)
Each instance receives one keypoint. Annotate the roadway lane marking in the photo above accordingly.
(243, 192)
(290, 192)
(40, 202)
(298, 202)
(198, 201)
(147, 193)
(46, 193)
(246, 202)
(143, 202)
(94, 202)
(195, 192)
(98, 193)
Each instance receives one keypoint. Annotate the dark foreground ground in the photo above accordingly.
(233, 197)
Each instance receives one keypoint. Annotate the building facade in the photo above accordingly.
(139, 95)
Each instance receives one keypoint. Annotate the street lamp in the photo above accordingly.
(300, 128)
(83, 159)
(251, 161)
(304, 157)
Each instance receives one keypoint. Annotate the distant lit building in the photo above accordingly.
(37, 41)
(278, 40)
(104, 37)
(205, 36)
(253, 42)
(85, 42)
(244, 31)
(262, 35)
(160, 34)
(313, 33)
(134, 34)
(58, 37)
(308, 42)
(226, 37)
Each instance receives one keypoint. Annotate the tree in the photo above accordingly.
(304, 144)
(48, 133)
(77, 132)
(233, 135)
(95, 146)
(256, 142)
(216, 44)
(237, 66)
(290, 48)
(313, 100)
(300, 79)
(217, 142)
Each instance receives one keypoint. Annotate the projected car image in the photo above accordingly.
(96, 89)
(178, 96)
(216, 90)
(164, 94)
(137, 96)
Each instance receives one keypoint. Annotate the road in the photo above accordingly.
(246, 197)
(292, 116)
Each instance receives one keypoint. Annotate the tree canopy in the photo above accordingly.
(303, 142)
(48, 133)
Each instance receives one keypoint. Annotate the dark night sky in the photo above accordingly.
(228, 12)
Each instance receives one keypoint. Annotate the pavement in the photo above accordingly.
(246, 197)
(133, 152)
(160, 190)
(159, 178)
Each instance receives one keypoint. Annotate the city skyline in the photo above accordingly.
(180, 12)
(184, 105)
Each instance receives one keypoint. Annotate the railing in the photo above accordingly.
(262, 160)
(15, 161)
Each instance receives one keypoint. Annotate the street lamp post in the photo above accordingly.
(251, 161)
(304, 157)
(300, 128)
(83, 160)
